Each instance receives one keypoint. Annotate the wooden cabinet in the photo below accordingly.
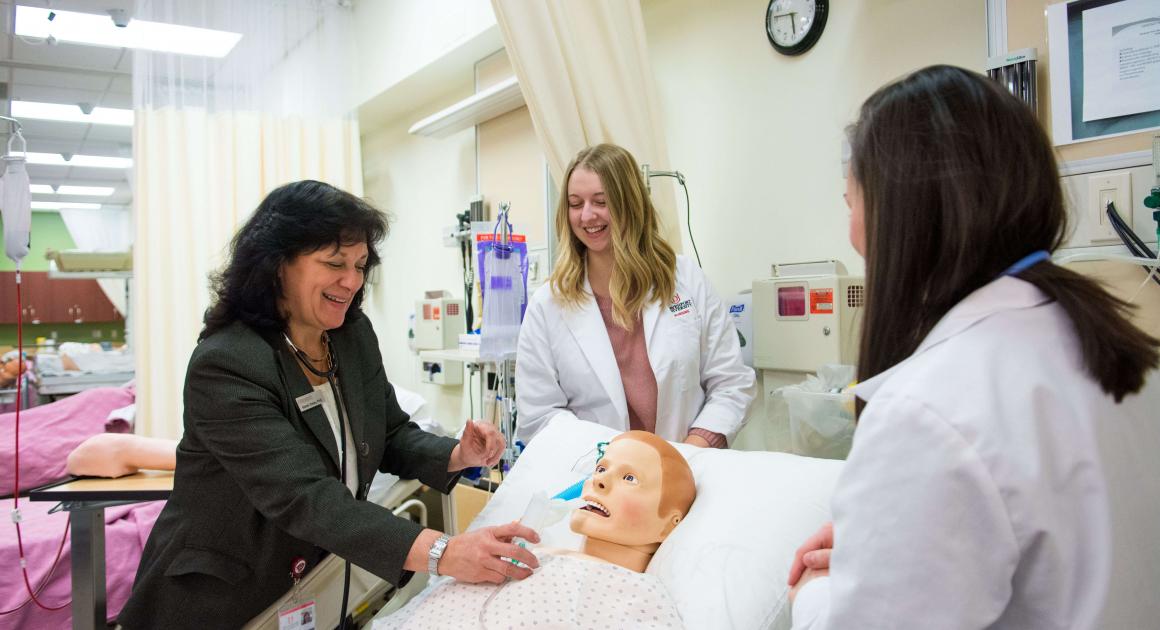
(47, 301)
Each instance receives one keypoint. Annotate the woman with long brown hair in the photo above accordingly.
(974, 495)
(627, 333)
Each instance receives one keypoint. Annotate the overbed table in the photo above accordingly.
(85, 499)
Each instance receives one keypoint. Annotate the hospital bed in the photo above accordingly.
(87, 369)
(726, 564)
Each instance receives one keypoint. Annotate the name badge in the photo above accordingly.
(309, 401)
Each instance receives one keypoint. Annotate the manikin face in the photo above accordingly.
(317, 287)
(623, 497)
(857, 214)
(587, 211)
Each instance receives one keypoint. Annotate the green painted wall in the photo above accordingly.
(85, 333)
(48, 231)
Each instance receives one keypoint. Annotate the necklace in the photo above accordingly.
(306, 359)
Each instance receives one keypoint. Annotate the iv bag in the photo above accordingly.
(503, 296)
(16, 208)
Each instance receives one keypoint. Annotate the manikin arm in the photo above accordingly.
(118, 454)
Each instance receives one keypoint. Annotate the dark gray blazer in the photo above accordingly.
(257, 481)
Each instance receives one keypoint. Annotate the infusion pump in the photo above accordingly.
(807, 315)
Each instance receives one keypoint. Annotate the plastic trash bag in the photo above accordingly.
(821, 413)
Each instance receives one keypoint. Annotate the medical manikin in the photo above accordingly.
(640, 490)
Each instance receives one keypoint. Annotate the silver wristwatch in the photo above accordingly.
(436, 552)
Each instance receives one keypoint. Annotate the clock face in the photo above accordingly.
(793, 26)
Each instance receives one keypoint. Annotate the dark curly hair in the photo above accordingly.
(294, 219)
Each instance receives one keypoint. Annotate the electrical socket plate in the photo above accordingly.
(537, 267)
(1113, 186)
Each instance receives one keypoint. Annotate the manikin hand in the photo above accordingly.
(480, 445)
(814, 554)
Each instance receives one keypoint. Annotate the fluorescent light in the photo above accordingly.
(93, 161)
(64, 205)
(99, 30)
(86, 191)
(90, 191)
(72, 113)
(482, 106)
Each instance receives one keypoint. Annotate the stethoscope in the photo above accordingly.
(332, 368)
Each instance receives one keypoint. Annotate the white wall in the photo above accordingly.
(398, 37)
(758, 134)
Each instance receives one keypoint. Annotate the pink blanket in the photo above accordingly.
(127, 528)
(49, 432)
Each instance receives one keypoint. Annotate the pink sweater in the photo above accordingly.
(636, 374)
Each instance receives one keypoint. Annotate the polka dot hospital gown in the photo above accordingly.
(565, 592)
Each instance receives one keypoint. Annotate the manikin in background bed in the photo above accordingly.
(641, 489)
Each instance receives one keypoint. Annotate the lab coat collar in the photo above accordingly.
(591, 335)
(1003, 294)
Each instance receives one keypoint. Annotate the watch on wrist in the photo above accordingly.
(433, 556)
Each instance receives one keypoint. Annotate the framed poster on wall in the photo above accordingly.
(1104, 67)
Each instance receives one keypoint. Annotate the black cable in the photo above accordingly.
(689, 222)
(688, 209)
(1116, 219)
(469, 318)
(1131, 240)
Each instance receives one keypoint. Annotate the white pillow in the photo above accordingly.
(726, 564)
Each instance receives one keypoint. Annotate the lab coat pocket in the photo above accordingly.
(208, 562)
(680, 354)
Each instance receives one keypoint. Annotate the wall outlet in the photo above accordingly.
(537, 267)
(1115, 187)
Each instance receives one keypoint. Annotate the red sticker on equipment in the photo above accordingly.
(821, 301)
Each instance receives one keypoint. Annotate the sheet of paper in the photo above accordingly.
(1121, 59)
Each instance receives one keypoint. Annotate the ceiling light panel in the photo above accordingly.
(82, 191)
(86, 191)
(92, 161)
(99, 30)
(72, 113)
(64, 205)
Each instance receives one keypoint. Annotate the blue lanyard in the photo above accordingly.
(1027, 262)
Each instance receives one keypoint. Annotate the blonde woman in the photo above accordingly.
(626, 333)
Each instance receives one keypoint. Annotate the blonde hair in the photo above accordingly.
(644, 265)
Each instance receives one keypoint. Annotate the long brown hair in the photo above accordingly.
(959, 181)
(645, 266)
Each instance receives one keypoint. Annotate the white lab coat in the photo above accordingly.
(565, 364)
(974, 495)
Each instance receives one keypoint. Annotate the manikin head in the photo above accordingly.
(641, 489)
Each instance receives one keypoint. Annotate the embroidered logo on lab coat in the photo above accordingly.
(680, 307)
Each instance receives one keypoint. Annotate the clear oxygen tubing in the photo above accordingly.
(1151, 263)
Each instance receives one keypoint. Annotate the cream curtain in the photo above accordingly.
(212, 138)
(102, 230)
(584, 71)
